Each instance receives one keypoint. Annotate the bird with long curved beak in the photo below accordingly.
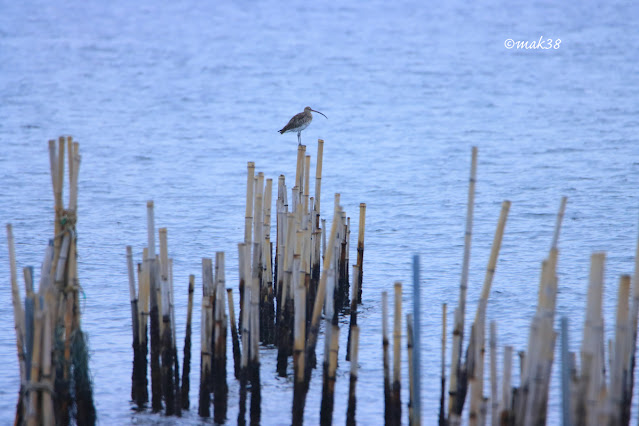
(299, 122)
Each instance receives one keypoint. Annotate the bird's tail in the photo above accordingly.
(281, 131)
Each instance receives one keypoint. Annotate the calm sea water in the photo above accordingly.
(170, 101)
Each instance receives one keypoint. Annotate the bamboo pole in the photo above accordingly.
(18, 314)
(505, 416)
(186, 366)
(397, 336)
(134, 322)
(248, 225)
(442, 397)
(307, 171)
(565, 374)
(360, 249)
(411, 370)
(143, 315)
(494, 397)
(33, 412)
(417, 398)
(353, 322)
(326, 411)
(634, 314)
(220, 386)
(206, 329)
(560, 218)
(620, 355)
(318, 175)
(48, 416)
(352, 396)
(298, 345)
(457, 387)
(386, 361)
(592, 343)
(236, 344)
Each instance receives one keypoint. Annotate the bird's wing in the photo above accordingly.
(293, 122)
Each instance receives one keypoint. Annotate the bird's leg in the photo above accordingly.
(299, 138)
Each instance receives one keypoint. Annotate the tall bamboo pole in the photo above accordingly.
(455, 405)
(186, 366)
(386, 361)
(397, 338)
(352, 396)
(18, 315)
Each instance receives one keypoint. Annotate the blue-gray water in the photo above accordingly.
(169, 101)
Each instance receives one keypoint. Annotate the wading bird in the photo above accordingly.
(300, 122)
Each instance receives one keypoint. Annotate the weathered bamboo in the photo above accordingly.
(474, 364)
(505, 415)
(298, 345)
(48, 415)
(166, 331)
(220, 387)
(353, 322)
(33, 412)
(248, 228)
(18, 319)
(311, 339)
(592, 343)
(411, 372)
(328, 398)
(267, 295)
(154, 311)
(386, 361)
(457, 391)
(494, 397)
(352, 395)
(397, 337)
(206, 328)
(565, 374)
(236, 343)
(621, 354)
(134, 321)
(442, 397)
(318, 175)
(634, 315)
(360, 249)
(142, 392)
(307, 171)
(186, 366)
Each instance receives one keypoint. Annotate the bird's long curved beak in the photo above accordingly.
(319, 113)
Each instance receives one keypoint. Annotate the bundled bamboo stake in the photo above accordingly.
(386, 360)
(186, 367)
(397, 337)
(244, 251)
(206, 328)
(267, 296)
(634, 314)
(311, 339)
(236, 343)
(220, 386)
(352, 397)
(458, 383)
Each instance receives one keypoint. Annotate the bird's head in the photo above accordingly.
(309, 109)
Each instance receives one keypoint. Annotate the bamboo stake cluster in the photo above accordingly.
(52, 351)
(282, 296)
(154, 307)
